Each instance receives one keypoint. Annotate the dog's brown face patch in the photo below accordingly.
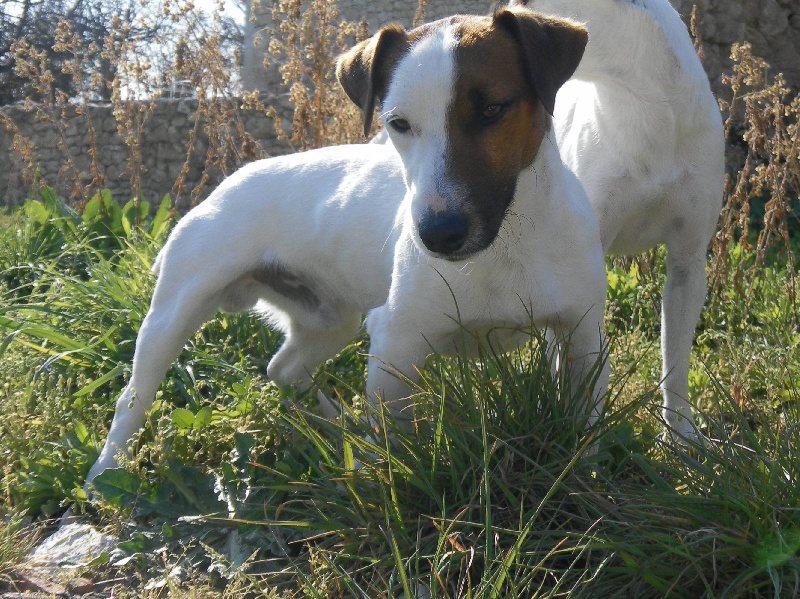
(495, 123)
(495, 111)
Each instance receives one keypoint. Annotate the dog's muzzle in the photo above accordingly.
(443, 233)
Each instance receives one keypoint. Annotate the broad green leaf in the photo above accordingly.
(183, 419)
(162, 217)
(203, 417)
(117, 486)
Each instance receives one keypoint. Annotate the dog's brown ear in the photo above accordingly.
(551, 48)
(365, 70)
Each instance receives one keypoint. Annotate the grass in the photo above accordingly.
(5, 219)
(244, 488)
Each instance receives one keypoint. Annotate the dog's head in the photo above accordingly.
(465, 101)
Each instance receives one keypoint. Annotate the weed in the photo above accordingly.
(770, 175)
(136, 74)
(17, 538)
(305, 41)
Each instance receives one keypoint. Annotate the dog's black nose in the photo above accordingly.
(443, 232)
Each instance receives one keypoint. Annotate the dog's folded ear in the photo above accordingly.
(552, 48)
(365, 70)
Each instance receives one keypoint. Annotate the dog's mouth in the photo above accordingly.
(459, 256)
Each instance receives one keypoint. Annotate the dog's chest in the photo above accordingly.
(495, 292)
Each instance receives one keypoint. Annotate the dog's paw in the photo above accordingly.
(686, 436)
(681, 428)
(688, 442)
(328, 408)
(69, 517)
(372, 456)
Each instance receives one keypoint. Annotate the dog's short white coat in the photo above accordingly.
(640, 127)
(340, 224)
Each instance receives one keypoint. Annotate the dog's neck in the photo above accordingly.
(541, 186)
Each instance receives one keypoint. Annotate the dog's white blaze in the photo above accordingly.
(421, 92)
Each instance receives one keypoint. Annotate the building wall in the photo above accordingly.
(172, 146)
(403, 11)
(771, 26)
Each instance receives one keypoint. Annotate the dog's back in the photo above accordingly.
(641, 129)
(638, 121)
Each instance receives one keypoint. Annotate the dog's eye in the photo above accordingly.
(400, 125)
(492, 113)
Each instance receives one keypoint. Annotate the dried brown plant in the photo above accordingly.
(764, 114)
(139, 82)
(303, 42)
(305, 39)
(56, 108)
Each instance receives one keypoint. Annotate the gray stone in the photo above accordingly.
(772, 20)
(72, 546)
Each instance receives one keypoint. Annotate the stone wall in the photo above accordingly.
(771, 26)
(59, 150)
(403, 11)
(374, 12)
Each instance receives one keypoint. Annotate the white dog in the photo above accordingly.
(476, 223)
(639, 126)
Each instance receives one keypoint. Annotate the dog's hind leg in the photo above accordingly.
(170, 321)
(684, 295)
(306, 348)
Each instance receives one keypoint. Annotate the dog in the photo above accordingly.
(495, 229)
(639, 126)
(469, 220)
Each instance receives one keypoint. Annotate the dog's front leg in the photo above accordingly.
(390, 382)
(589, 368)
(579, 357)
(396, 352)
